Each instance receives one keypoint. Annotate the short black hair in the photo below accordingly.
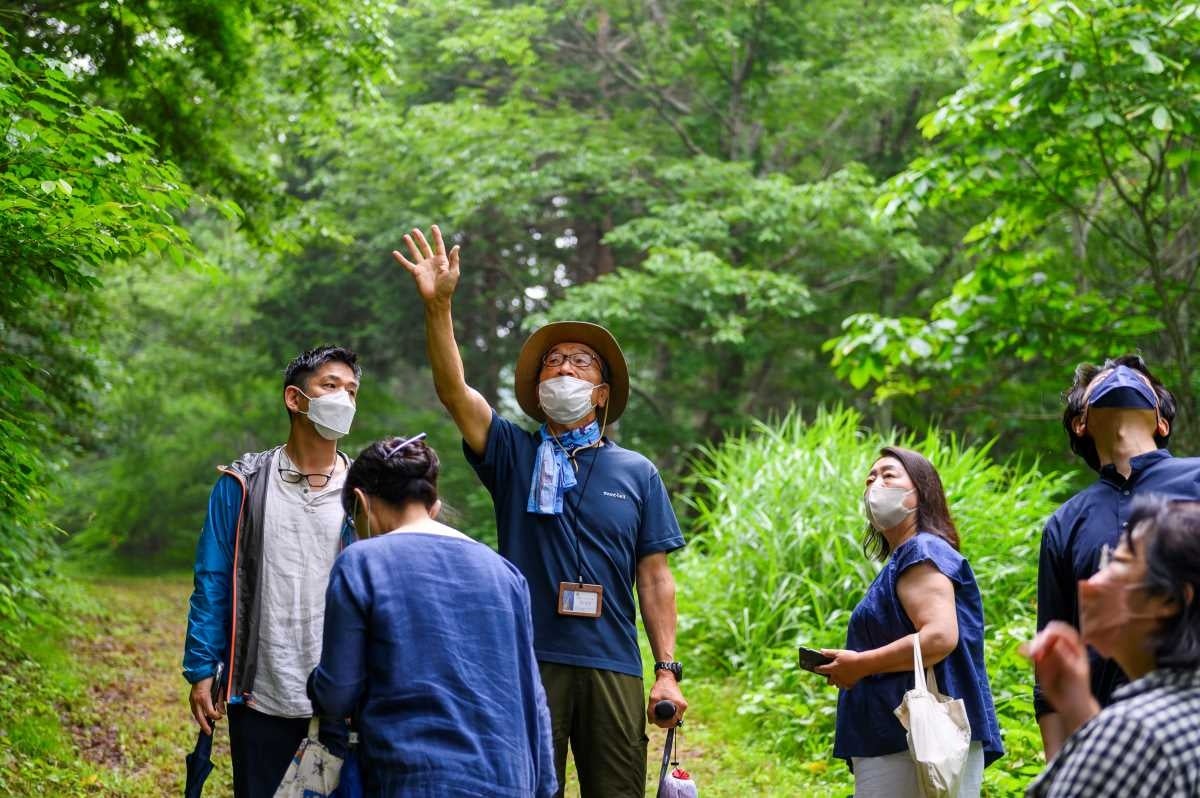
(398, 476)
(305, 364)
(1172, 542)
(1083, 445)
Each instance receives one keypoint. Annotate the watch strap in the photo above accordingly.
(676, 669)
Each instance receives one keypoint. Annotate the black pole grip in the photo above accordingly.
(664, 710)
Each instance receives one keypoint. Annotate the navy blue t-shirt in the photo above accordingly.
(1087, 521)
(866, 723)
(620, 512)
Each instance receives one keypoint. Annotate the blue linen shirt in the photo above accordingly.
(1077, 530)
(866, 723)
(620, 512)
(428, 647)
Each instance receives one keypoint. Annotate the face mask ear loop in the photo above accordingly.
(366, 513)
(306, 396)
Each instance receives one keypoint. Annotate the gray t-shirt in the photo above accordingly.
(301, 539)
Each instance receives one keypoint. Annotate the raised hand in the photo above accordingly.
(433, 270)
(1061, 662)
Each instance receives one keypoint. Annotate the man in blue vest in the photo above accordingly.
(584, 519)
(1118, 419)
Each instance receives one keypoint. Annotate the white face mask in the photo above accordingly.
(885, 506)
(565, 399)
(330, 413)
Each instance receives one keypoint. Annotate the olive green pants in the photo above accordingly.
(602, 716)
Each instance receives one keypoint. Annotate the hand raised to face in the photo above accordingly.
(433, 270)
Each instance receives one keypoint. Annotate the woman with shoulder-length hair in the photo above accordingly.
(1141, 610)
(925, 587)
(428, 644)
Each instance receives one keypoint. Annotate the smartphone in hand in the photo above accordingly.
(811, 658)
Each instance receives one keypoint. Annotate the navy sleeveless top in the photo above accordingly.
(866, 725)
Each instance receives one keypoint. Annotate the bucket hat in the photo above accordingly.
(529, 364)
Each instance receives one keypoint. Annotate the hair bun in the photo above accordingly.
(412, 461)
(395, 471)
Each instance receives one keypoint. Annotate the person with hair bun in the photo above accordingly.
(925, 588)
(428, 644)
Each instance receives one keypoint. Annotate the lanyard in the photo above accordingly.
(571, 529)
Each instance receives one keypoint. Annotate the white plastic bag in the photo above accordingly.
(677, 784)
(314, 771)
(939, 733)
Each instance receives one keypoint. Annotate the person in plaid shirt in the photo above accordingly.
(1141, 610)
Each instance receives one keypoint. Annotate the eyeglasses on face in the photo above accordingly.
(580, 360)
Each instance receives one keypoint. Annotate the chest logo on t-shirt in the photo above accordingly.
(615, 494)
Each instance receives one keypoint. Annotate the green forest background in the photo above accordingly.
(814, 226)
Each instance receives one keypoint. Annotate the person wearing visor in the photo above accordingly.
(584, 520)
(1141, 609)
(274, 526)
(1118, 419)
(436, 668)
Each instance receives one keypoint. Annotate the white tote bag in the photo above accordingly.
(314, 771)
(939, 733)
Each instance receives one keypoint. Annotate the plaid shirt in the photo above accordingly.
(1146, 744)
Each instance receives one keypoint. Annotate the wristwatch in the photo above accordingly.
(676, 669)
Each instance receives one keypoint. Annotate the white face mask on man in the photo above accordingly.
(331, 413)
(566, 399)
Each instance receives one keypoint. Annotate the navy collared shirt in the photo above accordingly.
(1074, 535)
(618, 513)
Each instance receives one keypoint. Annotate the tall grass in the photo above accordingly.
(776, 560)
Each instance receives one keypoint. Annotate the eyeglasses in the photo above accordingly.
(390, 451)
(580, 360)
(318, 480)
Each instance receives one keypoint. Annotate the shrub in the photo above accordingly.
(776, 560)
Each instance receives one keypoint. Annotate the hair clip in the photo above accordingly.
(388, 453)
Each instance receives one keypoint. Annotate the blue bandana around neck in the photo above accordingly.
(552, 469)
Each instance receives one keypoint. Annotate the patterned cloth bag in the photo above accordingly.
(314, 771)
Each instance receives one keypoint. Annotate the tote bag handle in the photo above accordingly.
(923, 679)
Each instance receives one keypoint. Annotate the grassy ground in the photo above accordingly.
(96, 706)
(99, 706)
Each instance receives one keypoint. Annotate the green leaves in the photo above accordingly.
(1065, 154)
(81, 192)
(1161, 118)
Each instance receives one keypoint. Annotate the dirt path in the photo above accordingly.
(133, 719)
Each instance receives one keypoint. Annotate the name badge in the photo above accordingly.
(577, 598)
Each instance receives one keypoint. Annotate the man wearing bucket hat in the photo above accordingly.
(1118, 419)
(584, 519)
